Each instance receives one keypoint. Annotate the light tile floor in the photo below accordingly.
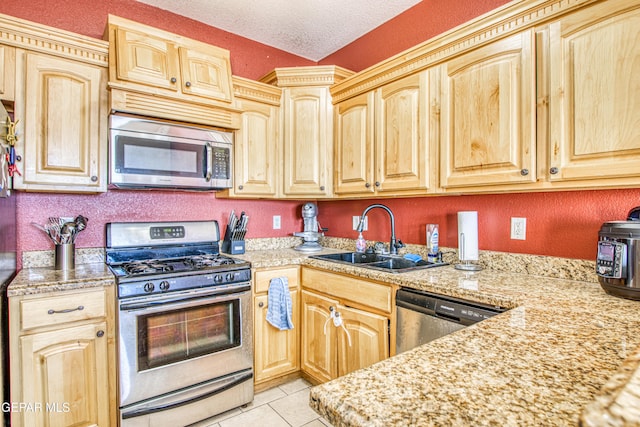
(284, 406)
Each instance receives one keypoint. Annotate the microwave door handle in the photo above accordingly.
(208, 165)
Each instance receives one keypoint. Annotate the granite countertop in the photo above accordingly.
(31, 281)
(565, 353)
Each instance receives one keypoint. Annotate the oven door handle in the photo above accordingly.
(238, 290)
(159, 405)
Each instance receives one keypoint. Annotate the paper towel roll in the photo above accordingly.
(468, 236)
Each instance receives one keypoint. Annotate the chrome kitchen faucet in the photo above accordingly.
(394, 244)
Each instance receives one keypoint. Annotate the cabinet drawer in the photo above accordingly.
(371, 294)
(55, 310)
(263, 277)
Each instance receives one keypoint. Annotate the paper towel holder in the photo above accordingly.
(468, 241)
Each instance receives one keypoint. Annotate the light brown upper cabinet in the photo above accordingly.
(488, 120)
(62, 108)
(161, 74)
(8, 69)
(594, 104)
(307, 123)
(381, 140)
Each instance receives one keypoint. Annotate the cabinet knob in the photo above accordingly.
(322, 188)
(18, 158)
(377, 183)
(367, 185)
(554, 170)
(240, 187)
(94, 178)
(188, 84)
(173, 80)
(260, 304)
(100, 333)
(524, 172)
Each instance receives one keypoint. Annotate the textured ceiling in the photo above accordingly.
(312, 29)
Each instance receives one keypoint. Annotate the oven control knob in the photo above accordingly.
(149, 287)
(164, 286)
(229, 277)
(217, 278)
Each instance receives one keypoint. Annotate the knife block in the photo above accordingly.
(229, 246)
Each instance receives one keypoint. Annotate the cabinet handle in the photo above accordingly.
(94, 178)
(377, 183)
(322, 188)
(188, 84)
(18, 158)
(100, 333)
(554, 170)
(260, 304)
(240, 187)
(173, 80)
(67, 310)
(524, 172)
(367, 185)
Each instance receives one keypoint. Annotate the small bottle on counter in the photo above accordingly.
(432, 242)
(361, 244)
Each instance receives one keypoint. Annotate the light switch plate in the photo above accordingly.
(356, 222)
(276, 222)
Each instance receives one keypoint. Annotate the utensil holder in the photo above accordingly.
(231, 246)
(65, 256)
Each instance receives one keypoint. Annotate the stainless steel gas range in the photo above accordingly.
(185, 350)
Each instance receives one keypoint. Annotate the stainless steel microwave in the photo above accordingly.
(147, 154)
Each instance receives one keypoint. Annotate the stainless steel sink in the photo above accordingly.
(389, 263)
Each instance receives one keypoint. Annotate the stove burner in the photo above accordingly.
(210, 260)
(146, 267)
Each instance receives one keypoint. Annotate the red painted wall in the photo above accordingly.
(416, 25)
(559, 224)
(563, 224)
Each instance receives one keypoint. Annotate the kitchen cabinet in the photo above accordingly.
(62, 107)
(276, 352)
(382, 140)
(594, 87)
(8, 68)
(307, 123)
(361, 337)
(160, 74)
(62, 358)
(487, 112)
(257, 142)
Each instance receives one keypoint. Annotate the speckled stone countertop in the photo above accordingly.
(565, 354)
(30, 281)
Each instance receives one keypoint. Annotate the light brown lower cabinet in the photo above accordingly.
(62, 361)
(338, 338)
(276, 352)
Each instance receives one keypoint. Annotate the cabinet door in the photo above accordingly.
(307, 142)
(354, 132)
(8, 69)
(206, 74)
(595, 87)
(256, 146)
(67, 371)
(401, 135)
(488, 115)
(141, 58)
(63, 115)
(276, 351)
(365, 341)
(318, 349)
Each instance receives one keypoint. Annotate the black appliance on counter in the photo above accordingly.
(185, 346)
(618, 257)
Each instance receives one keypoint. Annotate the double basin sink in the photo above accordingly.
(388, 263)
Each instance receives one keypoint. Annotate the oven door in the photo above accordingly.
(170, 342)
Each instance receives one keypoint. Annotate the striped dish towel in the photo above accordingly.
(279, 304)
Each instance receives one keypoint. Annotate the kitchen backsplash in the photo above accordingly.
(535, 265)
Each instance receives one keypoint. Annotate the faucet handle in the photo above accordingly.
(399, 244)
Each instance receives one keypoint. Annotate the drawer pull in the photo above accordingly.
(100, 334)
(68, 310)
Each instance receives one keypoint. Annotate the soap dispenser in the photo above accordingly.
(361, 244)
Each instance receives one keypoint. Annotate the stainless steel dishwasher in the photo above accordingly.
(424, 317)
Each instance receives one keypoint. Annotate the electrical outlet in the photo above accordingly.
(276, 222)
(519, 228)
(356, 222)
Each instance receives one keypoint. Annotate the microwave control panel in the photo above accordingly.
(221, 163)
(612, 259)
